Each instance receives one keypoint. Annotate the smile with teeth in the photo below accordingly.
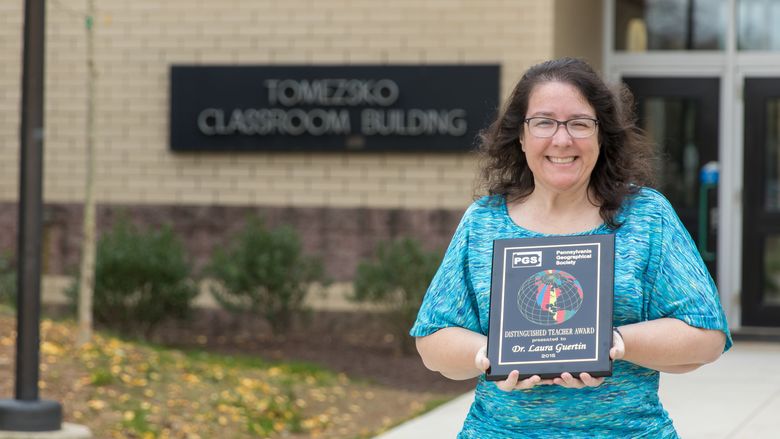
(561, 160)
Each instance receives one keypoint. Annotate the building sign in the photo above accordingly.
(330, 108)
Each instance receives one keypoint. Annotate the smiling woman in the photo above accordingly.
(525, 147)
(586, 178)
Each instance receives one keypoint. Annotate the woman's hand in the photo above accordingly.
(566, 379)
(513, 381)
(570, 382)
(617, 352)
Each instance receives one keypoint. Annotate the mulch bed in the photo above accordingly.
(358, 344)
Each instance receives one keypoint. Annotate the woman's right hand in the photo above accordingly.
(513, 381)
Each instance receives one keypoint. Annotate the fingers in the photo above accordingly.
(513, 382)
(618, 350)
(481, 360)
(545, 382)
(570, 382)
(528, 383)
(590, 381)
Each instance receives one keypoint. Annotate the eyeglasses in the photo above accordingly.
(545, 127)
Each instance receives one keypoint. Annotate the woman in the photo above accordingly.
(564, 157)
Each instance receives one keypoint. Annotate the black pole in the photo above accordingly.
(30, 206)
(27, 412)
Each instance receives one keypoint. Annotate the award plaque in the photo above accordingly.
(551, 306)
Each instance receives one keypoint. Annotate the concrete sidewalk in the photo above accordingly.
(736, 397)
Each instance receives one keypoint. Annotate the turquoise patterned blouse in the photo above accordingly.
(658, 273)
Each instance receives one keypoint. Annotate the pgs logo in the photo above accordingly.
(526, 259)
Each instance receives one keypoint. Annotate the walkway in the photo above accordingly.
(736, 397)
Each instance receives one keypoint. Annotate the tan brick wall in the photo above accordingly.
(136, 41)
(10, 92)
(578, 30)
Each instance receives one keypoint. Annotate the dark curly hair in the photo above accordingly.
(626, 159)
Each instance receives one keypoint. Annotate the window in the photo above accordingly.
(757, 25)
(647, 25)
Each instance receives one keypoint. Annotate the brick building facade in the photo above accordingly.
(343, 203)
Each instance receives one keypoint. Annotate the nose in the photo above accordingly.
(562, 136)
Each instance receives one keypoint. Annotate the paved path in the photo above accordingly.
(736, 397)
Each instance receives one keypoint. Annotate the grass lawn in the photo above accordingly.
(126, 389)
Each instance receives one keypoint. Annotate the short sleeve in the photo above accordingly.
(683, 288)
(449, 300)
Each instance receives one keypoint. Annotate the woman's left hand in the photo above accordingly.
(618, 350)
(585, 380)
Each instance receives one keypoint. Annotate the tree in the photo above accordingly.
(87, 270)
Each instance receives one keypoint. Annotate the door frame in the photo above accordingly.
(732, 66)
(698, 88)
(729, 65)
(753, 312)
(729, 234)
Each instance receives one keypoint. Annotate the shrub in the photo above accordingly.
(397, 278)
(7, 280)
(264, 271)
(141, 278)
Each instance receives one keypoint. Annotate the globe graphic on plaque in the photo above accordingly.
(550, 297)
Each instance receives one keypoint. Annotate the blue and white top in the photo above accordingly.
(658, 273)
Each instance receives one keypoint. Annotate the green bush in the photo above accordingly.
(397, 279)
(264, 271)
(7, 280)
(141, 278)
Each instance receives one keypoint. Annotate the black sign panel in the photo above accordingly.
(331, 108)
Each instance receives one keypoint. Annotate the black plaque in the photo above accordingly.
(551, 306)
(408, 108)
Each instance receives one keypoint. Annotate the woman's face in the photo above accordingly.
(561, 163)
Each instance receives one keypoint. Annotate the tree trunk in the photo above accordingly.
(87, 271)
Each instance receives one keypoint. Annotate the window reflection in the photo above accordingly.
(772, 188)
(671, 123)
(757, 25)
(643, 25)
(772, 271)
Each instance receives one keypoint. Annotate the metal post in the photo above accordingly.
(27, 412)
(30, 207)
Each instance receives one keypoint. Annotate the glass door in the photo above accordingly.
(761, 211)
(681, 115)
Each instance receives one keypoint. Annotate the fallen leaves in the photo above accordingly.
(124, 389)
